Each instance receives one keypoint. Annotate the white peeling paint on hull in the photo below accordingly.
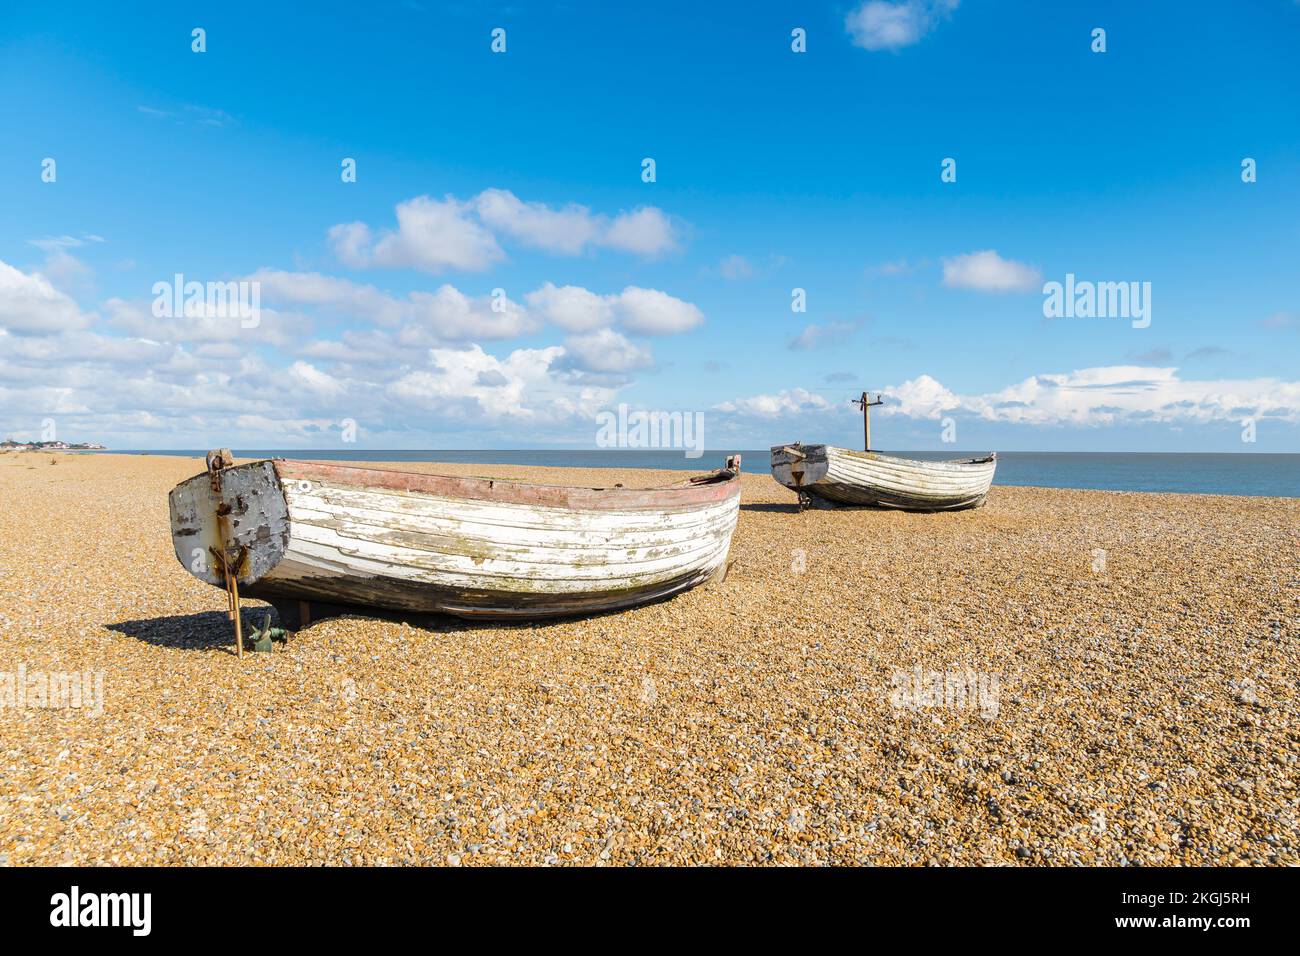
(470, 547)
(841, 476)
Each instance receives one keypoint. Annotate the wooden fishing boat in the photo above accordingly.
(845, 477)
(308, 536)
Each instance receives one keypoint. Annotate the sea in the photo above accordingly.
(1274, 475)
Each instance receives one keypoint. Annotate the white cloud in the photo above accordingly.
(351, 242)
(1130, 393)
(29, 304)
(640, 311)
(472, 384)
(308, 377)
(884, 25)
(651, 312)
(566, 231)
(40, 353)
(136, 318)
(605, 351)
(436, 235)
(446, 314)
(986, 271)
(921, 397)
(646, 232)
(449, 314)
(338, 295)
(359, 347)
(783, 404)
(401, 365)
(168, 394)
(432, 235)
(572, 307)
(1090, 397)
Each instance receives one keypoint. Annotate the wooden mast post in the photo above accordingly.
(865, 403)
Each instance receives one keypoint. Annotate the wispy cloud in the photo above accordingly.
(735, 267)
(191, 114)
(64, 270)
(897, 267)
(893, 342)
(57, 243)
(1282, 320)
(816, 336)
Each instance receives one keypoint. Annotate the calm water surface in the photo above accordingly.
(1201, 473)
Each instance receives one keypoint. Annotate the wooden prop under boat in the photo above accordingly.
(344, 537)
(846, 477)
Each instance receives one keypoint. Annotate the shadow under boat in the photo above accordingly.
(204, 631)
(211, 630)
(298, 615)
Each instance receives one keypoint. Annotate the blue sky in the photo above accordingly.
(775, 170)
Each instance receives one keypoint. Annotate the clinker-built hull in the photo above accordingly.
(846, 477)
(473, 547)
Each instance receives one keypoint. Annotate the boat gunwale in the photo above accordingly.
(702, 491)
(817, 454)
(911, 462)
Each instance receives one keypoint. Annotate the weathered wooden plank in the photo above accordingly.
(483, 519)
(445, 523)
(399, 561)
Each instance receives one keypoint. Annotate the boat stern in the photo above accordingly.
(236, 514)
(797, 466)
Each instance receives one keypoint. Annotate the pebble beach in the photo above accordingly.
(1057, 678)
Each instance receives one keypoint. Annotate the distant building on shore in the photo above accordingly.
(10, 445)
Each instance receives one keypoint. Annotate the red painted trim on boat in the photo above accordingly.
(708, 490)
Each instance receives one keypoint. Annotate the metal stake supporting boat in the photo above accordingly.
(217, 461)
